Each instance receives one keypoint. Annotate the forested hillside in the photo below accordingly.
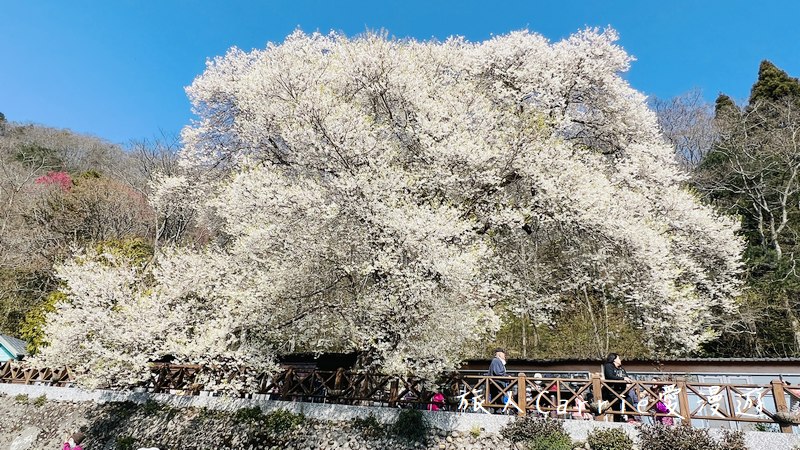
(60, 191)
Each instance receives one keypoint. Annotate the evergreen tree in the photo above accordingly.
(753, 170)
(773, 84)
(724, 104)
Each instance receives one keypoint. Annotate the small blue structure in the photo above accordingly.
(11, 348)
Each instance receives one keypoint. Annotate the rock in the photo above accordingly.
(455, 434)
(25, 440)
(449, 439)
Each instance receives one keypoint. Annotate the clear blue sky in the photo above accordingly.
(117, 68)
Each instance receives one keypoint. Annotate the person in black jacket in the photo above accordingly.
(612, 370)
(497, 368)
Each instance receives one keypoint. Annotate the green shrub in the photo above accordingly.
(475, 431)
(609, 439)
(248, 414)
(151, 407)
(411, 425)
(767, 427)
(527, 428)
(280, 421)
(733, 441)
(40, 400)
(21, 398)
(538, 434)
(125, 443)
(550, 442)
(661, 437)
(369, 426)
(32, 326)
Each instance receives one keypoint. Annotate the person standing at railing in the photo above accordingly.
(613, 371)
(437, 402)
(497, 368)
(582, 408)
(661, 408)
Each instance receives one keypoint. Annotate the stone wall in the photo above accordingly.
(34, 423)
(38, 417)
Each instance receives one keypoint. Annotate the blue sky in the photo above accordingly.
(117, 69)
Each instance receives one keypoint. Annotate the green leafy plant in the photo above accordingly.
(550, 442)
(369, 426)
(538, 433)
(125, 443)
(32, 326)
(475, 431)
(609, 439)
(151, 407)
(40, 400)
(411, 425)
(249, 414)
(527, 428)
(281, 421)
(733, 441)
(21, 398)
(767, 427)
(661, 437)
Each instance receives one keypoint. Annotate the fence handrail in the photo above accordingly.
(521, 394)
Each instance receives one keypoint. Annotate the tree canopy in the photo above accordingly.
(392, 197)
(773, 84)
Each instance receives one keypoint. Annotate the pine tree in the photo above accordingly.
(723, 104)
(773, 84)
(753, 169)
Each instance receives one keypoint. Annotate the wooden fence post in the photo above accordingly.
(683, 401)
(597, 394)
(522, 401)
(393, 388)
(780, 403)
(286, 387)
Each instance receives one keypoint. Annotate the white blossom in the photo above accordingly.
(389, 195)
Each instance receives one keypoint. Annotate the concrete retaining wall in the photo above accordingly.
(332, 412)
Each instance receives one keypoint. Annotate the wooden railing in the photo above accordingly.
(12, 373)
(590, 397)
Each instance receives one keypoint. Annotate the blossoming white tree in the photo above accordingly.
(388, 195)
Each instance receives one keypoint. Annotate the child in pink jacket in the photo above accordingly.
(662, 408)
(74, 442)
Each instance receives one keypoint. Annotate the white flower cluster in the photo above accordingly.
(386, 195)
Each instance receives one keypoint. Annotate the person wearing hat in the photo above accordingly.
(73, 442)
